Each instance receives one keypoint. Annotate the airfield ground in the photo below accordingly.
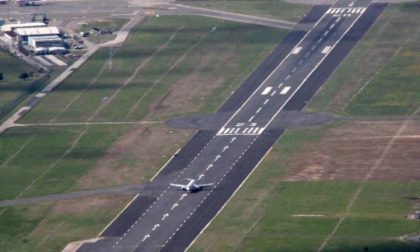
(169, 66)
(11, 85)
(310, 172)
(358, 175)
(112, 24)
(264, 8)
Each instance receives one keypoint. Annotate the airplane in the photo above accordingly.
(192, 186)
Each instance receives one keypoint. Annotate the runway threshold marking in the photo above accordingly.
(239, 131)
(346, 10)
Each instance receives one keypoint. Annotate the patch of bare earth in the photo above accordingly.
(350, 151)
(187, 94)
(49, 230)
(134, 157)
(84, 205)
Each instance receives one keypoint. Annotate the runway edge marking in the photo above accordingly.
(167, 162)
(230, 198)
(137, 195)
(118, 215)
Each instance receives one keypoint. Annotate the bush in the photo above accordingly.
(23, 76)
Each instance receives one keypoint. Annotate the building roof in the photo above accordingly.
(11, 27)
(45, 38)
(37, 31)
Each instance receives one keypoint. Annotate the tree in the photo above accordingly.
(23, 76)
(1, 76)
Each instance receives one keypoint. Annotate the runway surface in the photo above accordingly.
(286, 80)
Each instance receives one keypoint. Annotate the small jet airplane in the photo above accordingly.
(192, 186)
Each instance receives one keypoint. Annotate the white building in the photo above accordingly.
(24, 33)
(46, 44)
(11, 27)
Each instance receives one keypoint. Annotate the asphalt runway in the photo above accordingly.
(286, 80)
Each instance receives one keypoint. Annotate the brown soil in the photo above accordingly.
(134, 157)
(349, 152)
(85, 205)
(187, 94)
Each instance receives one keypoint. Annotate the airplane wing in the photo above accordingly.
(178, 185)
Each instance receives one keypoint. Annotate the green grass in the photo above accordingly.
(260, 216)
(380, 75)
(11, 86)
(264, 8)
(40, 160)
(394, 91)
(49, 226)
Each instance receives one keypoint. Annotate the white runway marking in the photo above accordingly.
(40, 95)
(266, 91)
(165, 216)
(326, 49)
(285, 90)
(297, 50)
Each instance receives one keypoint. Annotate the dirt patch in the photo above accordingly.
(84, 205)
(187, 93)
(350, 151)
(135, 157)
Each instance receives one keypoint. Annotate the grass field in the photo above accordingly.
(315, 180)
(11, 86)
(387, 82)
(169, 66)
(264, 8)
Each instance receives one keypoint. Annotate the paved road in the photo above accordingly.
(284, 81)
